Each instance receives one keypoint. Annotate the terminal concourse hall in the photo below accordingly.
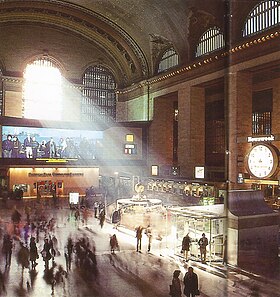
(158, 116)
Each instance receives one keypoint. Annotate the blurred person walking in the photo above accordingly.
(139, 238)
(33, 252)
(23, 256)
(7, 248)
(46, 254)
(114, 244)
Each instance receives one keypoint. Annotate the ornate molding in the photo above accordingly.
(205, 60)
(88, 25)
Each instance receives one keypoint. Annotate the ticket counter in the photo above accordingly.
(44, 181)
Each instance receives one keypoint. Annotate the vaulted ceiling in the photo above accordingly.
(127, 35)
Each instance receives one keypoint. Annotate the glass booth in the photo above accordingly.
(196, 220)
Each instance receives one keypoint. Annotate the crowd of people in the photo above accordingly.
(30, 237)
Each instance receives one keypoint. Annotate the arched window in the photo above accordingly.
(168, 60)
(99, 98)
(265, 15)
(210, 41)
(42, 90)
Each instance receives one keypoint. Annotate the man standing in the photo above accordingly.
(27, 143)
(149, 235)
(191, 283)
(139, 238)
(51, 145)
(203, 242)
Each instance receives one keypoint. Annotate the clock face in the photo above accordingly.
(262, 161)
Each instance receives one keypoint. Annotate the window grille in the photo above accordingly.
(168, 60)
(210, 41)
(42, 90)
(261, 123)
(264, 16)
(98, 96)
(262, 103)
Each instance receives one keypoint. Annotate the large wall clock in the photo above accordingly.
(262, 160)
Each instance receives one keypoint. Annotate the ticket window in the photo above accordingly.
(45, 188)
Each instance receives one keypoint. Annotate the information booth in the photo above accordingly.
(195, 220)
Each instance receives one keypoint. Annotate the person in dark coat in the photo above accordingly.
(138, 238)
(114, 243)
(191, 283)
(46, 253)
(102, 217)
(7, 248)
(203, 242)
(23, 256)
(175, 289)
(186, 246)
(33, 252)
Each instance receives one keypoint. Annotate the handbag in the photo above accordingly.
(197, 293)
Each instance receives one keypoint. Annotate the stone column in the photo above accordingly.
(239, 122)
(276, 107)
(191, 147)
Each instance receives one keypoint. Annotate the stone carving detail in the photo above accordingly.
(157, 45)
(198, 20)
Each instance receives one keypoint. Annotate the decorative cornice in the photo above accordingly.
(90, 26)
(20, 80)
(209, 60)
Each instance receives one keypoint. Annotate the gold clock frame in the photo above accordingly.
(275, 154)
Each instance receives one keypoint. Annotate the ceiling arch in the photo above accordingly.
(114, 41)
(126, 31)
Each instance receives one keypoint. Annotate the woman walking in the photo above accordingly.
(175, 287)
(33, 252)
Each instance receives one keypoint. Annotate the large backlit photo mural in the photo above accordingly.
(40, 143)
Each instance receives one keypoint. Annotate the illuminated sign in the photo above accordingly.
(66, 174)
(199, 172)
(261, 181)
(129, 138)
(260, 138)
(240, 178)
(154, 169)
(73, 198)
(50, 145)
(130, 149)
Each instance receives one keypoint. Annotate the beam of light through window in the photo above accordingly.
(42, 92)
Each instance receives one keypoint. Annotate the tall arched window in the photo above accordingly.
(99, 98)
(168, 60)
(265, 15)
(42, 90)
(210, 41)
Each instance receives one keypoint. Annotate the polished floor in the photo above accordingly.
(125, 273)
